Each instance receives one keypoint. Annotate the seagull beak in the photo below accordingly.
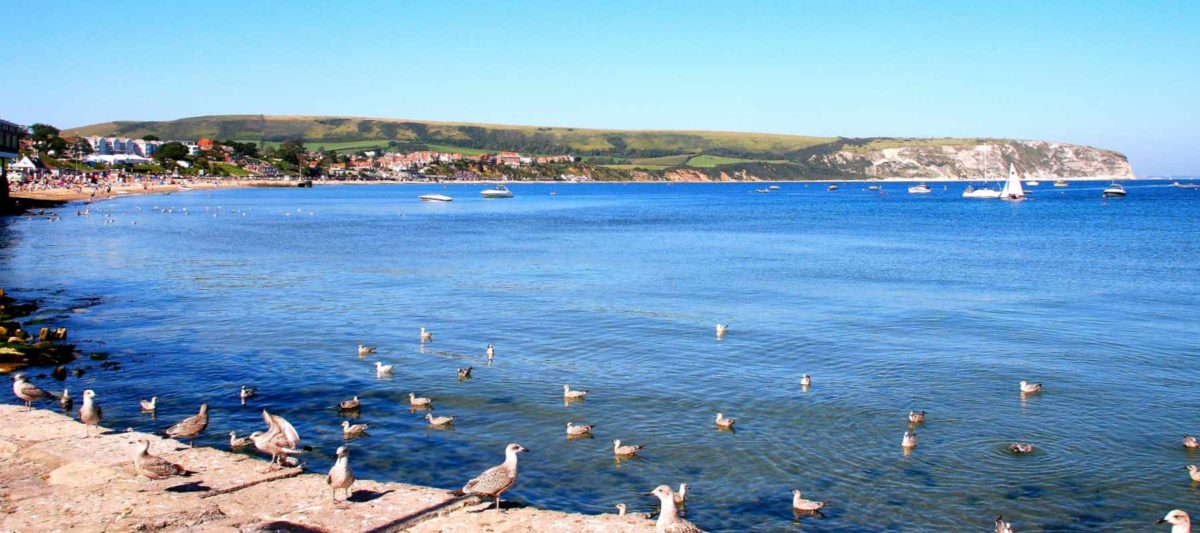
(1161, 521)
(524, 449)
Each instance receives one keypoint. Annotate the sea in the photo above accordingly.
(890, 301)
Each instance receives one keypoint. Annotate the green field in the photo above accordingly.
(664, 161)
(637, 167)
(458, 150)
(710, 161)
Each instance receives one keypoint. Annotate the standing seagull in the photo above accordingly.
(236, 442)
(426, 336)
(491, 352)
(190, 427)
(340, 476)
(90, 413)
(1180, 523)
(497, 479)
(153, 466)
(280, 440)
(65, 400)
(28, 392)
(668, 519)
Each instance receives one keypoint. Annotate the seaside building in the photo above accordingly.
(122, 146)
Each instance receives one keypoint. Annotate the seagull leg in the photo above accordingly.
(497, 502)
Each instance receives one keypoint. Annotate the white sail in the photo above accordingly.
(1012, 187)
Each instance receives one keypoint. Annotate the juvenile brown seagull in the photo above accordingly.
(497, 479)
(152, 466)
(190, 427)
(668, 517)
(340, 476)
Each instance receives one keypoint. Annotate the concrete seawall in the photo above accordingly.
(54, 478)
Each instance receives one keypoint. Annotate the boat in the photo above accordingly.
(1012, 192)
(1114, 190)
(833, 187)
(873, 188)
(1061, 183)
(762, 191)
(774, 187)
(1032, 183)
(435, 198)
(499, 191)
(984, 193)
(1185, 185)
(920, 188)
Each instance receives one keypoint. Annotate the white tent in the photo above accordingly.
(119, 159)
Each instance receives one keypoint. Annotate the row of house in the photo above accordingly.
(141, 147)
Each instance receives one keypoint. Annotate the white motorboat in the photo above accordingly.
(774, 187)
(833, 187)
(1013, 191)
(1114, 190)
(1032, 183)
(920, 188)
(499, 191)
(873, 188)
(1185, 185)
(762, 191)
(1061, 183)
(987, 193)
(435, 198)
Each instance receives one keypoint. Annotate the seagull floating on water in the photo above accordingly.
(426, 336)
(465, 373)
(573, 394)
(349, 405)
(916, 417)
(725, 423)
(350, 431)
(236, 442)
(722, 329)
(416, 401)
(1020, 447)
(497, 479)
(681, 496)
(90, 413)
(799, 504)
(668, 517)
(439, 421)
(280, 440)
(805, 380)
(1188, 441)
(910, 440)
(382, 370)
(149, 406)
(1194, 473)
(364, 350)
(622, 511)
(491, 352)
(578, 431)
(1002, 526)
(152, 466)
(65, 400)
(1180, 523)
(190, 427)
(28, 392)
(247, 393)
(1030, 387)
(340, 476)
(625, 451)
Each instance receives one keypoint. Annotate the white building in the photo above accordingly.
(122, 145)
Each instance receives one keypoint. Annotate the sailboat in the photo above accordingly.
(1012, 188)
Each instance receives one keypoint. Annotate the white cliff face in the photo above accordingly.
(1039, 159)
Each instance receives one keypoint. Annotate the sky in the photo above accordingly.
(1118, 75)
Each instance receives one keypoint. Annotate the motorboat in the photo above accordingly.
(499, 191)
(873, 188)
(774, 187)
(1185, 185)
(986, 193)
(1032, 183)
(762, 191)
(1012, 192)
(1061, 183)
(832, 187)
(920, 188)
(1114, 190)
(435, 198)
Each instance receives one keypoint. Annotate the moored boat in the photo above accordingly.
(920, 188)
(1114, 190)
(983, 192)
(499, 191)
(1061, 183)
(1013, 192)
(833, 187)
(435, 198)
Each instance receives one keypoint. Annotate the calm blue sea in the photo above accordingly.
(891, 302)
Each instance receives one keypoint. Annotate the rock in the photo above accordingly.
(16, 340)
(44, 334)
(82, 475)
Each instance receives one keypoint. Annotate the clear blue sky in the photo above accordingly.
(1120, 75)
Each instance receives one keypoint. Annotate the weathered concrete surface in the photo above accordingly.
(53, 478)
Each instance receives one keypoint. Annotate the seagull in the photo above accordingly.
(382, 370)
(668, 519)
(149, 406)
(916, 417)
(1180, 523)
(1030, 387)
(1194, 472)
(439, 421)
(237, 443)
(801, 505)
(681, 496)
(340, 476)
(190, 427)
(805, 380)
(152, 466)
(465, 373)
(1003, 526)
(497, 479)
(280, 440)
(910, 440)
(725, 423)
(621, 511)
(1018, 447)
(351, 431)
(625, 451)
(426, 336)
(28, 392)
(415, 401)
(1188, 441)
(578, 431)
(364, 350)
(349, 405)
(573, 394)
(90, 413)
(722, 329)
(65, 400)
(247, 393)
(491, 352)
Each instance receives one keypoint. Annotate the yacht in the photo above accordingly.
(499, 191)
(1061, 183)
(920, 188)
(983, 192)
(435, 198)
(1114, 190)
(1012, 188)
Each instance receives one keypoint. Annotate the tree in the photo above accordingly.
(291, 150)
(43, 133)
(172, 150)
(150, 137)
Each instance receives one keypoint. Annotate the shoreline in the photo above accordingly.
(54, 478)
